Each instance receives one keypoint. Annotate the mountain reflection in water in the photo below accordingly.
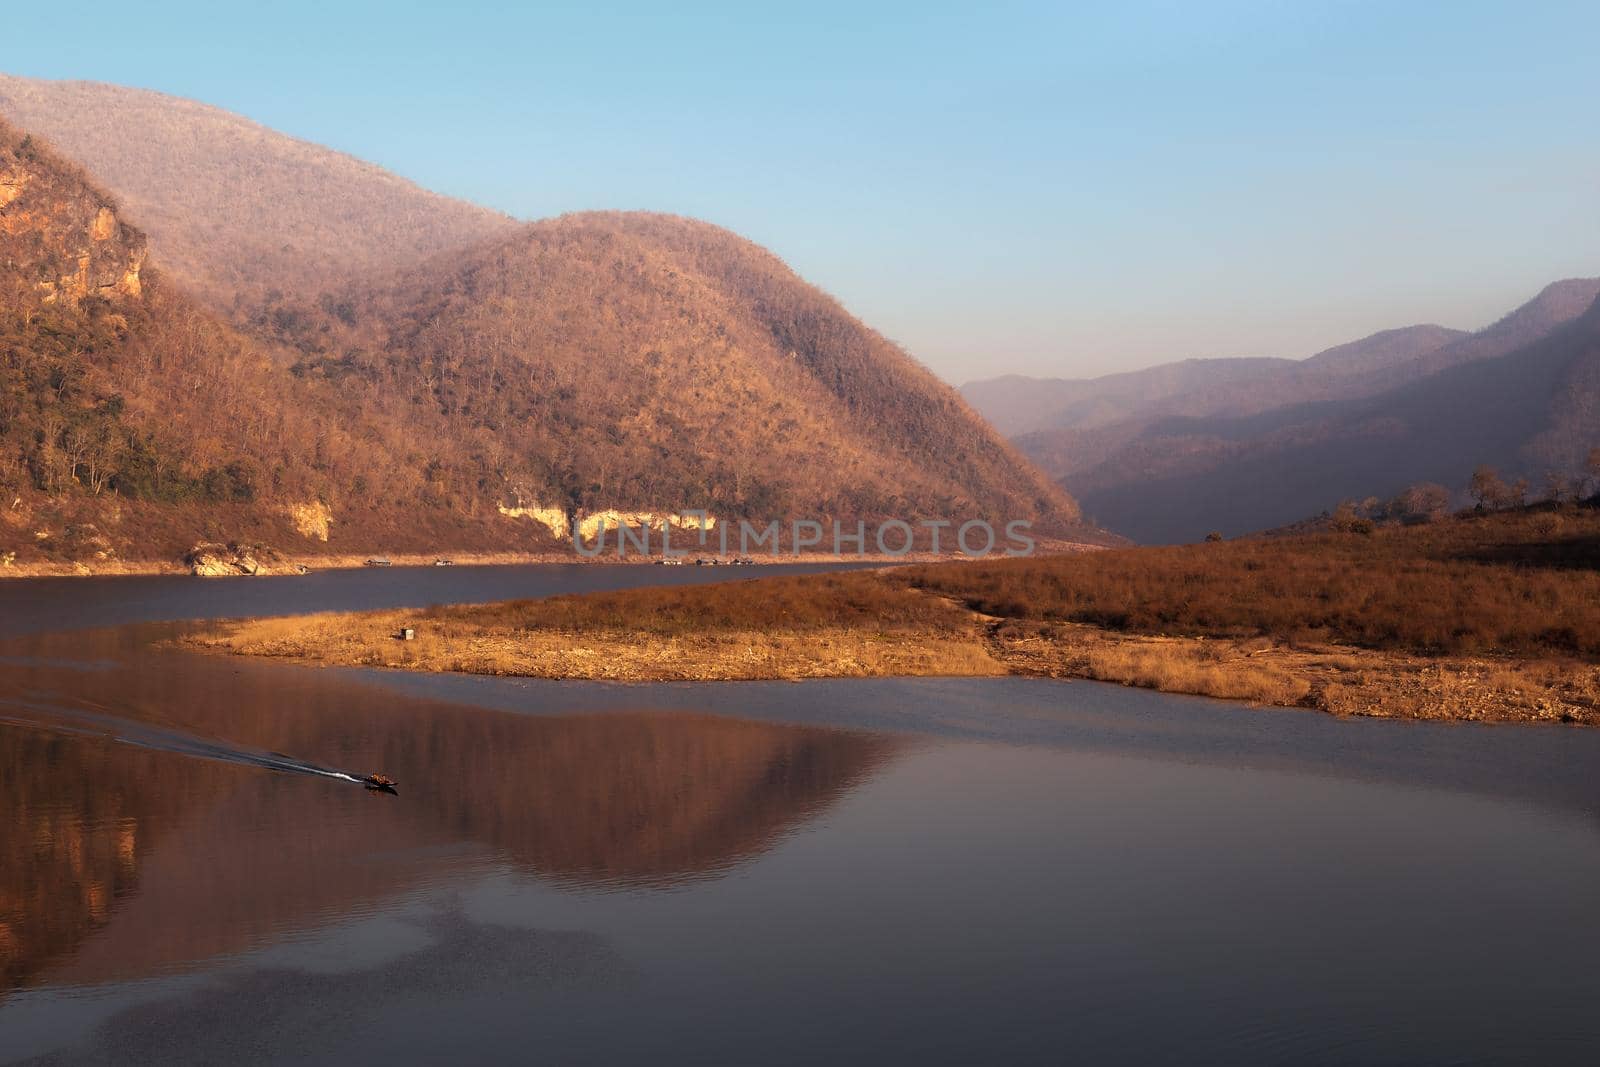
(118, 862)
(853, 871)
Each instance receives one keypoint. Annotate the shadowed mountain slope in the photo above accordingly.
(1533, 410)
(1150, 452)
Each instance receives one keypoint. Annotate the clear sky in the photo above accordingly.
(1051, 189)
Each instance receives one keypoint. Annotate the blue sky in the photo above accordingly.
(1040, 188)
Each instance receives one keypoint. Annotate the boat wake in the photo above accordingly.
(102, 723)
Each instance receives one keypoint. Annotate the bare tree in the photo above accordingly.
(1516, 494)
(1423, 502)
(1557, 486)
(1486, 488)
(105, 448)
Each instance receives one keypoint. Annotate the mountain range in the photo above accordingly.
(211, 330)
(1176, 451)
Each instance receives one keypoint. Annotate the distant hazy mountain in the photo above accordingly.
(1019, 405)
(1556, 304)
(1521, 394)
(233, 208)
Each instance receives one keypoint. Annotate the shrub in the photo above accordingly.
(1471, 584)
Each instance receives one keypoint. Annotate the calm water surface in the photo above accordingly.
(928, 871)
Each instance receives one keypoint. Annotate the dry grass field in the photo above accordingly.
(1478, 617)
(1510, 583)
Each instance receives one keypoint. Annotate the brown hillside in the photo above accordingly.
(133, 422)
(1478, 616)
(648, 361)
(235, 209)
(594, 362)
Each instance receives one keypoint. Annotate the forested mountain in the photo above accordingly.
(133, 421)
(593, 362)
(232, 209)
(644, 359)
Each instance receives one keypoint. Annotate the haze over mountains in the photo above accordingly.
(235, 209)
(214, 330)
(1173, 452)
(1020, 405)
(336, 354)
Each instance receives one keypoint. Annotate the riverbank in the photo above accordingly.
(287, 564)
(301, 564)
(1493, 618)
(863, 627)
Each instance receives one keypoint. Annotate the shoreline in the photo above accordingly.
(290, 564)
(1335, 679)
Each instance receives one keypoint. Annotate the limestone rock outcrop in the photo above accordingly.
(61, 239)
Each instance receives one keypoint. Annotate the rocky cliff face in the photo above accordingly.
(61, 240)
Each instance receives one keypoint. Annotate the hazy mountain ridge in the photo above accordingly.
(1386, 350)
(1556, 304)
(1017, 404)
(1174, 451)
(1197, 387)
(234, 209)
(1532, 409)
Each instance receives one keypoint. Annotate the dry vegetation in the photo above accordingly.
(1335, 678)
(826, 626)
(133, 423)
(1314, 621)
(596, 361)
(647, 361)
(234, 209)
(1517, 583)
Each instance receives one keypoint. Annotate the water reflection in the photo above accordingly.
(309, 1014)
(768, 872)
(117, 862)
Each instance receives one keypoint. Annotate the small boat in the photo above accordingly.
(379, 561)
(444, 563)
(380, 783)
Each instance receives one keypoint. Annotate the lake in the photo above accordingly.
(910, 871)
